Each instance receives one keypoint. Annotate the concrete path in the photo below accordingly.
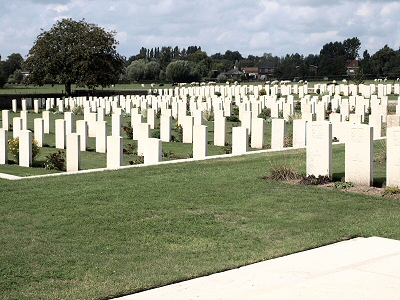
(362, 268)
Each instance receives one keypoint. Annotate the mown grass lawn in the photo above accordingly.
(111, 233)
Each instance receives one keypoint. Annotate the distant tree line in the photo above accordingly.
(172, 64)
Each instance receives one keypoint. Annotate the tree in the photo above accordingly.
(383, 61)
(178, 71)
(351, 47)
(14, 62)
(75, 52)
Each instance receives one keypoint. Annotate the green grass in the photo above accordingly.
(107, 234)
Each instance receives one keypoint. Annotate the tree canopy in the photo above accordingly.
(75, 52)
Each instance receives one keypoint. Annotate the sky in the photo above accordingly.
(251, 27)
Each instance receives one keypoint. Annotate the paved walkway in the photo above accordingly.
(362, 268)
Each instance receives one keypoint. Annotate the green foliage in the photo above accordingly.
(342, 185)
(156, 134)
(128, 130)
(313, 180)
(75, 52)
(78, 110)
(55, 161)
(265, 113)
(137, 161)
(143, 70)
(178, 71)
(389, 191)
(13, 147)
(221, 78)
(262, 92)
(130, 148)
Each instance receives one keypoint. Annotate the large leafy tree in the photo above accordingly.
(75, 52)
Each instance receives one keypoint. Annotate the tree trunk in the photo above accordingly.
(68, 88)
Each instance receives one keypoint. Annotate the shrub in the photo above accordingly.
(313, 180)
(137, 161)
(262, 92)
(55, 161)
(342, 185)
(233, 119)
(131, 148)
(128, 130)
(283, 172)
(13, 147)
(265, 113)
(78, 110)
(388, 191)
(156, 134)
(208, 114)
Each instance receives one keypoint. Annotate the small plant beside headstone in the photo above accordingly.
(55, 161)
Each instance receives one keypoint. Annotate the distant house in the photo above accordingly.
(233, 73)
(266, 69)
(251, 73)
(352, 66)
(313, 69)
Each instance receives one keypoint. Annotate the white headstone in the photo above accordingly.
(3, 146)
(393, 157)
(101, 136)
(60, 133)
(5, 119)
(152, 151)
(220, 131)
(115, 146)
(73, 155)
(25, 148)
(82, 130)
(38, 130)
(257, 133)
(319, 149)
(359, 154)
(278, 133)
(240, 140)
(200, 141)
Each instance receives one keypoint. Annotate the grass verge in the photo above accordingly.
(111, 233)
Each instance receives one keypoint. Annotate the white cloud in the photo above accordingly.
(250, 27)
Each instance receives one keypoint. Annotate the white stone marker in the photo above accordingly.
(38, 128)
(36, 106)
(143, 135)
(152, 151)
(23, 105)
(392, 121)
(17, 126)
(187, 127)
(101, 136)
(200, 141)
(278, 131)
(359, 154)
(116, 124)
(5, 119)
(393, 157)
(14, 105)
(299, 133)
(25, 148)
(240, 140)
(375, 121)
(60, 133)
(24, 117)
(82, 130)
(47, 121)
(92, 121)
(165, 128)
(220, 131)
(69, 122)
(257, 133)
(115, 146)
(3, 146)
(101, 114)
(319, 148)
(136, 119)
(151, 117)
(73, 155)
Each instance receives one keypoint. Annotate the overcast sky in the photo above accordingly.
(252, 27)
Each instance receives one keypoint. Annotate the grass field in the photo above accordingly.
(107, 234)
(30, 89)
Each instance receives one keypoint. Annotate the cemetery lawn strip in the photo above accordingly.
(112, 233)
